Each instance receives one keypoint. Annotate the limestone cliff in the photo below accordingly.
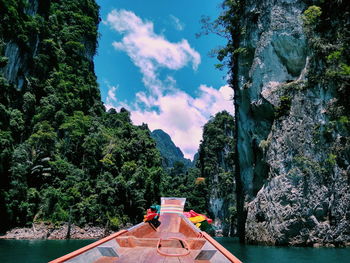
(19, 57)
(169, 151)
(293, 158)
(23, 38)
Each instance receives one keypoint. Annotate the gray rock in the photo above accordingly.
(49, 231)
(291, 194)
(18, 65)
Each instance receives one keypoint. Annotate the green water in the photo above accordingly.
(37, 251)
(40, 251)
(261, 254)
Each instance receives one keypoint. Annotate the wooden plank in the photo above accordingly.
(171, 259)
(187, 259)
(88, 247)
(107, 260)
(131, 255)
(142, 231)
(196, 243)
(153, 256)
(187, 229)
(182, 259)
(131, 241)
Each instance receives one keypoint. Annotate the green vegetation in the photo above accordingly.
(311, 15)
(216, 163)
(308, 166)
(216, 150)
(330, 39)
(284, 107)
(62, 156)
(331, 160)
(327, 27)
(182, 182)
(264, 144)
(227, 25)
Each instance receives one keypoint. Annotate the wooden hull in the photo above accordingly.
(176, 240)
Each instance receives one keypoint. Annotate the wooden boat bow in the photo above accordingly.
(175, 240)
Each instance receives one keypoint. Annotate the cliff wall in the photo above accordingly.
(293, 153)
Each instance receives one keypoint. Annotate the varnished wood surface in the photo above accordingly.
(140, 244)
(88, 247)
(150, 255)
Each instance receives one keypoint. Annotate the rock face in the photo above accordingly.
(49, 231)
(19, 58)
(292, 191)
(169, 151)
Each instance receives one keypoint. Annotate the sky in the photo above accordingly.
(150, 62)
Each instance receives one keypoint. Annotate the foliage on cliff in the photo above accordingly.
(63, 158)
(216, 163)
(327, 25)
(227, 26)
(216, 153)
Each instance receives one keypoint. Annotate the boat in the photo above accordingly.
(177, 239)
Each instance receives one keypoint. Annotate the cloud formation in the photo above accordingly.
(177, 23)
(111, 98)
(149, 51)
(182, 116)
(164, 106)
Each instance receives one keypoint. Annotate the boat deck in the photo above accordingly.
(176, 240)
(148, 254)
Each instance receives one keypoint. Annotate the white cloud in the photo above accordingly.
(111, 93)
(177, 23)
(150, 51)
(111, 96)
(165, 106)
(182, 116)
(227, 92)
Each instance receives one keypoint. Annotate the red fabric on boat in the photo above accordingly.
(150, 215)
(192, 213)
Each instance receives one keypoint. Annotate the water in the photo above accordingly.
(261, 254)
(40, 251)
(37, 251)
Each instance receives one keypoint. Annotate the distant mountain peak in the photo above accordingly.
(169, 151)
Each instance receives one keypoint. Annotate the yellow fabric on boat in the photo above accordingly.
(197, 219)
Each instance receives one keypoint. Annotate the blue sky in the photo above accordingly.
(150, 62)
